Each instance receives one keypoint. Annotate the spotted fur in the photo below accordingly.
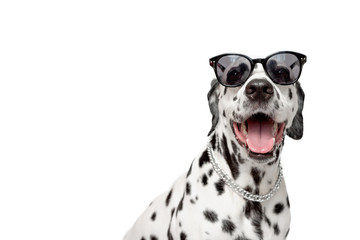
(199, 205)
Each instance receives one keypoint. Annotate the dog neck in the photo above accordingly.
(257, 178)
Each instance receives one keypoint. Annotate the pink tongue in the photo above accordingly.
(260, 138)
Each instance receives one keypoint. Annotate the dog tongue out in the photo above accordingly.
(260, 138)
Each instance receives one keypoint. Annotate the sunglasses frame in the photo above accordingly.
(214, 61)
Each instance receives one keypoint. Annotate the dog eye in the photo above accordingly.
(237, 74)
(281, 73)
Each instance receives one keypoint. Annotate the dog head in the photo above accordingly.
(256, 115)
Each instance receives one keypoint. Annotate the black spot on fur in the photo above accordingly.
(210, 216)
(230, 158)
(276, 229)
(256, 175)
(287, 233)
(253, 209)
(276, 105)
(204, 179)
(211, 172)
(234, 147)
(241, 238)
(240, 159)
(168, 198)
(204, 159)
(235, 99)
(279, 207)
(188, 188)
(224, 114)
(290, 94)
(246, 104)
(272, 162)
(152, 237)
(277, 154)
(225, 89)
(192, 201)
(267, 220)
(220, 186)
(257, 227)
(182, 236)
(153, 216)
(228, 226)
(277, 94)
(180, 206)
(248, 188)
(287, 201)
(213, 142)
(142, 238)
(189, 172)
(169, 235)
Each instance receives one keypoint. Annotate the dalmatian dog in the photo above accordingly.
(234, 188)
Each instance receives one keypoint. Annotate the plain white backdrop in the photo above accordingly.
(103, 105)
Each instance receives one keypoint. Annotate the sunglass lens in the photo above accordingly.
(283, 68)
(233, 70)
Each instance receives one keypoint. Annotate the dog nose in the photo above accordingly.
(259, 90)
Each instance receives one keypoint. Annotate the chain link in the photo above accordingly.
(236, 188)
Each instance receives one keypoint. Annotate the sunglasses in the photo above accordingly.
(233, 70)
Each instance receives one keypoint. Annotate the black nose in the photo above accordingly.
(259, 90)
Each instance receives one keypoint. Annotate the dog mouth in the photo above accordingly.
(260, 134)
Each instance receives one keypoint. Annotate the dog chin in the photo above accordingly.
(261, 158)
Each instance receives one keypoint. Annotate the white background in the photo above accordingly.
(103, 105)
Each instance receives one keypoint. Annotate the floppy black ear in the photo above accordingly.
(213, 98)
(297, 128)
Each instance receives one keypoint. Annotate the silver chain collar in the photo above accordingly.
(236, 188)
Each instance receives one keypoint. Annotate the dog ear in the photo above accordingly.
(297, 128)
(213, 98)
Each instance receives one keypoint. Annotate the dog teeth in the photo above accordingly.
(243, 129)
(275, 129)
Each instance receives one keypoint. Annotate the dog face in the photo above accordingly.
(257, 114)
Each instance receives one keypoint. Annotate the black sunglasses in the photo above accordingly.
(233, 70)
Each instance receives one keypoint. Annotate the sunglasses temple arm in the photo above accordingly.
(303, 60)
(212, 64)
